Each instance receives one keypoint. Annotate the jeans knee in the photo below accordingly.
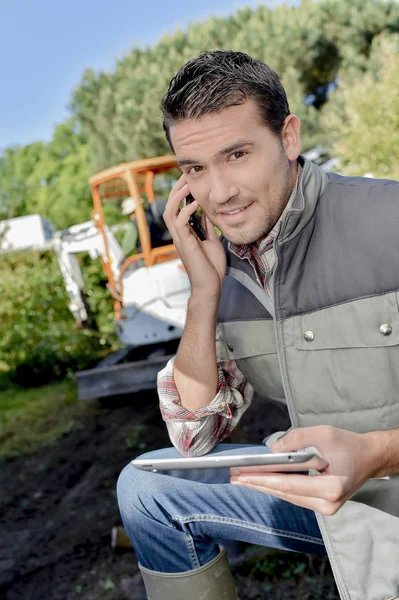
(129, 490)
(136, 493)
(124, 486)
(136, 504)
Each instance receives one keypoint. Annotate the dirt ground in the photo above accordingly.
(58, 507)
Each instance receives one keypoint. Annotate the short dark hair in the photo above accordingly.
(217, 79)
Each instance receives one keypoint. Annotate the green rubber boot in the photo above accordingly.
(212, 581)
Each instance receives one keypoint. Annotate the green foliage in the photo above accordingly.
(30, 418)
(16, 168)
(307, 572)
(100, 300)
(107, 584)
(49, 179)
(39, 340)
(134, 441)
(362, 116)
(276, 566)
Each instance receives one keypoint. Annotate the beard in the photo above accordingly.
(265, 218)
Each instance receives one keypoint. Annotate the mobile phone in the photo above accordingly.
(195, 221)
(283, 462)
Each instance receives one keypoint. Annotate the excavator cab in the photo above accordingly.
(159, 233)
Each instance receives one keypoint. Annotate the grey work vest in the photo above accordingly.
(332, 350)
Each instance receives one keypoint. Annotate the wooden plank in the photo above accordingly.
(120, 379)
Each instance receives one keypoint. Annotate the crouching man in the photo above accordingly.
(297, 301)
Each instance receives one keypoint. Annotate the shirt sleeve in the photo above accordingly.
(194, 433)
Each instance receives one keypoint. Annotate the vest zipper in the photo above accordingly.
(291, 409)
(273, 288)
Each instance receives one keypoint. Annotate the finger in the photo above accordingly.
(175, 199)
(187, 210)
(316, 463)
(326, 487)
(179, 184)
(181, 223)
(296, 439)
(319, 505)
(211, 234)
(181, 181)
(182, 232)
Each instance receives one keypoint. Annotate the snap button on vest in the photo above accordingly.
(230, 347)
(386, 329)
(309, 336)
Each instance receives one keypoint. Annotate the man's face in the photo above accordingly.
(240, 173)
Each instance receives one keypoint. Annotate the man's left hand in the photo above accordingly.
(351, 462)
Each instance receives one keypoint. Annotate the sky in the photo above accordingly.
(45, 45)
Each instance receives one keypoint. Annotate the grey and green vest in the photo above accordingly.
(328, 347)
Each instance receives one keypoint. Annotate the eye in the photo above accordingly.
(196, 169)
(237, 155)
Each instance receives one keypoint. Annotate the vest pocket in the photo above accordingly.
(365, 323)
(242, 339)
(342, 363)
(252, 345)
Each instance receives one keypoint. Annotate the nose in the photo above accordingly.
(221, 189)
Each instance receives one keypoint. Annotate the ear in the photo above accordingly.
(291, 137)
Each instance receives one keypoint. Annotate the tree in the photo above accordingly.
(16, 168)
(49, 179)
(362, 116)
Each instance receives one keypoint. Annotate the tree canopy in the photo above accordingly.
(49, 179)
(362, 115)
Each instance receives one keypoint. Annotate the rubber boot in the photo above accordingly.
(212, 581)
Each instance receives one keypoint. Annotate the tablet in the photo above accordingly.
(287, 461)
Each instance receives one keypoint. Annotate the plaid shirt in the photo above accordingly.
(195, 433)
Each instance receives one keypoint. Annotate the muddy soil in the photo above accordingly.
(58, 507)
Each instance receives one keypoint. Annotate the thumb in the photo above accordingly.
(295, 439)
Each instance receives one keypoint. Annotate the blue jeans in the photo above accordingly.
(175, 521)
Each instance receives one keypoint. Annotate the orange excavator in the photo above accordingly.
(149, 287)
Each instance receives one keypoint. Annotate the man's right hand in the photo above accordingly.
(204, 261)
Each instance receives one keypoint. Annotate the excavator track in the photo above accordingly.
(128, 377)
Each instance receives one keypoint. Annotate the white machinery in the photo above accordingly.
(23, 233)
(154, 298)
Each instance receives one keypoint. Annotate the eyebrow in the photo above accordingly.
(233, 147)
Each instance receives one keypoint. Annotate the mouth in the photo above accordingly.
(236, 215)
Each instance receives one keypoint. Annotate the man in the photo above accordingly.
(303, 293)
(159, 235)
(131, 236)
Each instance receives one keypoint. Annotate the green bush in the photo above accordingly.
(39, 339)
(362, 116)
